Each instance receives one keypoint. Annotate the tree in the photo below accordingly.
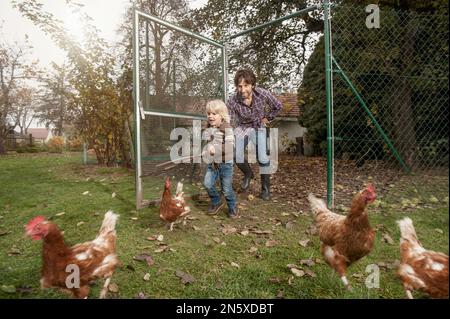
(100, 116)
(401, 70)
(15, 69)
(277, 53)
(55, 94)
(25, 112)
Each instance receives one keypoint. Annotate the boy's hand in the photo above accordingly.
(211, 150)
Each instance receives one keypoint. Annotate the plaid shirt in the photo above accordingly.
(243, 117)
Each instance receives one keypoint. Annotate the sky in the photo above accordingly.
(106, 14)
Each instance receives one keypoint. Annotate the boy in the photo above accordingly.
(221, 143)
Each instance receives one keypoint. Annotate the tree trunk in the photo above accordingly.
(401, 102)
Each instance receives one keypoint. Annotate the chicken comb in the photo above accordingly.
(32, 223)
(370, 188)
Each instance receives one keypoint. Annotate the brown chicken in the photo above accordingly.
(421, 269)
(345, 239)
(172, 208)
(72, 268)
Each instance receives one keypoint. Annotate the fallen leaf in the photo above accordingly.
(250, 197)
(290, 266)
(14, 251)
(298, 272)
(307, 262)
(86, 192)
(152, 238)
(440, 231)
(289, 225)
(388, 239)
(235, 264)
(79, 224)
(262, 232)
(244, 232)
(9, 289)
(291, 278)
(113, 195)
(271, 243)
(304, 242)
(274, 280)
(146, 277)
(195, 228)
(160, 238)
(312, 230)
(3, 233)
(185, 278)
(253, 249)
(280, 294)
(357, 275)
(60, 214)
(162, 248)
(217, 240)
(133, 218)
(113, 288)
(285, 214)
(228, 230)
(310, 273)
(141, 295)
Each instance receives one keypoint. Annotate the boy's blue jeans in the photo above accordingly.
(225, 173)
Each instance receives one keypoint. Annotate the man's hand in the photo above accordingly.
(265, 121)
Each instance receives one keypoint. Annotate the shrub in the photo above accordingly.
(56, 145)
(75, 144)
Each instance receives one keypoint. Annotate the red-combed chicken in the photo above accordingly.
(175, 207)
(345, 239)
(421, 269)
(62, 263)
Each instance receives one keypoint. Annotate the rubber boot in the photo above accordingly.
(265, 186)
(248, 175)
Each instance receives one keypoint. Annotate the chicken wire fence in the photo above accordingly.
(389, 93)
(175, 73)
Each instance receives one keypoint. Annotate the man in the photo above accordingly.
(249, 117)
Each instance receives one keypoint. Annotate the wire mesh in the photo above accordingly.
(401, 72)
(178, 75)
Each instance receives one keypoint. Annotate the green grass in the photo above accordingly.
(37, 184)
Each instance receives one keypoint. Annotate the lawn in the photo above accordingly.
(243, 258)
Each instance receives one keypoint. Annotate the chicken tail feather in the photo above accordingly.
(317, 205)
(109, 223)
(407, 230)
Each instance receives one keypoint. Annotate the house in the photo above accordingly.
(40, 135)
(287, 121)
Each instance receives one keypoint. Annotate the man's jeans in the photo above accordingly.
(259, 138)
(225, 173)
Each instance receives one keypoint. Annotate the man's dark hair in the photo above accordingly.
(245, 74)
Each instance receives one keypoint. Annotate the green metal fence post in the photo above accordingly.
(329, 106)
(372, 118)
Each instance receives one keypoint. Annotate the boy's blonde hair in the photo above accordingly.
(218, 107)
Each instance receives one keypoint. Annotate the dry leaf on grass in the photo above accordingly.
(113, 288)
(271, 243)
(185, 278)
(235, 264)
(304, 242)
(146, 277)
(298, 272)
(388, 239)
(307, 262)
